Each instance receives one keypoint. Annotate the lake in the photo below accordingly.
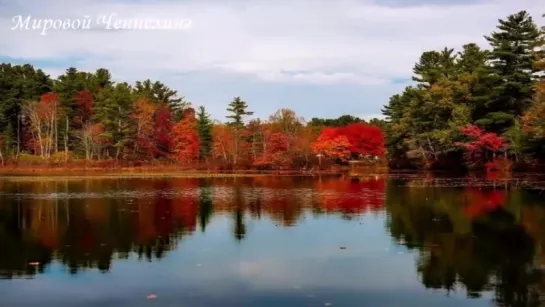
(406, 240)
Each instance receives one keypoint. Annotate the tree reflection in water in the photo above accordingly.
(477, 239)
(473, 238)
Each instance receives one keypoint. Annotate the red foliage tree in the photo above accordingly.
(364, 139)
(481, 145)
(185, 138)
(84, 101)
(163, 128)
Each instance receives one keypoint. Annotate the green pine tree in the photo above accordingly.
(512, 64)
(161, 94)
(434, 66)
(204, 128)
(238, 109)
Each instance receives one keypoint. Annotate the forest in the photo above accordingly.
(475, 108)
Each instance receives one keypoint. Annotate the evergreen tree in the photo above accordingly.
(161, 94)
(474, 72)
(18, 83)
(434, 65)
(204, 128)
(340, 121)
(238, 109)
(540, 59)
(112, 109)
(512, 63)
(68, 86)
(472, 59)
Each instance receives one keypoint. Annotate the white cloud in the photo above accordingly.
(335, 41)
(354, 42)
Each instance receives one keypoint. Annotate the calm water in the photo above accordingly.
(270, 242)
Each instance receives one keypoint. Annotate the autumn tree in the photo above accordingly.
(84, 107)
(364, 139)
(185, 138)
(332, 145)
(143, 117)
(42, 117)
(481, 146)
(93, 140)
(287, 122)
(163, 127)
(533, 122)
(257, 132)
(303, 145)
(224, 143)
(275, 152)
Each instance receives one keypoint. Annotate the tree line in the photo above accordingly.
(479, 107)
(86, 117)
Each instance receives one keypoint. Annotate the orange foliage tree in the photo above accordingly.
(143, 116)
(533, 121)
(185, 139)
(275, 151)
(223, 143)
(332, 145)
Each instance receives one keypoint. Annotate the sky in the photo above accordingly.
(321, 58)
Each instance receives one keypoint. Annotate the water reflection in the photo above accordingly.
(86, 224)
(476, 240)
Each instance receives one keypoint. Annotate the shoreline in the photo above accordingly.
(149, 172)
(38, 173)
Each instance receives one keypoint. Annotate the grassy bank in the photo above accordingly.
(75, 173)
(143, 172)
